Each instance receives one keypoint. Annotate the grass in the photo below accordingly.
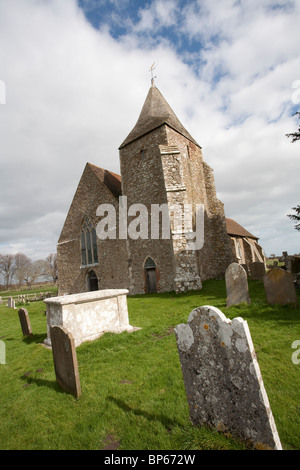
(133, 394)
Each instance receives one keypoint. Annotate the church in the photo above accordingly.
(163, 176)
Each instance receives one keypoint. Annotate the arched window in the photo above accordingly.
(150, 263)
(89, 254)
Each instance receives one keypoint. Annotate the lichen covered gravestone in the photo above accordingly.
(279, 287)
(236, 285)
(65, 360)
(222, 378)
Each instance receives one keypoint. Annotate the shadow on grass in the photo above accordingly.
(40, 382)
(165, 420)
(35, 338)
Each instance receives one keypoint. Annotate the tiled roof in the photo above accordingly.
(111, 180)
(233, 228)
(156, 112)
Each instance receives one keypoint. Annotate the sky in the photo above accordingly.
(74, 75)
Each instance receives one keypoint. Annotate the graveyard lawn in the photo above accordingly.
(133, 393)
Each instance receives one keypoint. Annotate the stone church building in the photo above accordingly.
(161, 167)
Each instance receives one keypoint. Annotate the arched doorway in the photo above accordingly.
(92, 281)
(150, 274)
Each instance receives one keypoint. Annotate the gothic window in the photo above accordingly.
(88, 239)
(150, 263)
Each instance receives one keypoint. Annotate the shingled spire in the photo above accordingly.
(156, 112)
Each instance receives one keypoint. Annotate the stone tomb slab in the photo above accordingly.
(279, 287)
(236, 285)
(25, 322)
(223, 383)
(90, 314)
(65, 360)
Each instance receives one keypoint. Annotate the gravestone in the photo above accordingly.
(257, 270)
(65, 360)
(222, 378)
(236, 285)
(279, 287)
(2, 352)
(25, 322)
(10, 302)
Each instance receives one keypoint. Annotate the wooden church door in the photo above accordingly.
(150, 271)
(92, 281)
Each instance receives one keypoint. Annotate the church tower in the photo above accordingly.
(162, 169)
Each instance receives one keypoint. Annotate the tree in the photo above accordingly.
(296, 216)
(34, 269)
(22, 264)
(295, 135)
(51, 266)
(7, 268)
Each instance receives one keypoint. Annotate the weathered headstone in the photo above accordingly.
(222, 378)
(236, 285)
(10, 302)
(65, 360)
(25, 322)
(257, 270)
(279, 287)
(2, 352)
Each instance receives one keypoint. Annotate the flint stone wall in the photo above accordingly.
(222, 378)
(90, 314)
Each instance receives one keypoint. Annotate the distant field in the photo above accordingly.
(24, 290)
(133, 394)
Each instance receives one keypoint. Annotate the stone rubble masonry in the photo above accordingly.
(172, 171)
(72, 277)
(222, 378)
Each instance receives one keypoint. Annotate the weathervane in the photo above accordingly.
(152, 68)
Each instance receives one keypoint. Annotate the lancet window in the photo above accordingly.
(88, 241)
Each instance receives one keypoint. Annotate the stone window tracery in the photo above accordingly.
(88, 242)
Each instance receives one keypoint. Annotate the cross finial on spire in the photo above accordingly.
(152, 68)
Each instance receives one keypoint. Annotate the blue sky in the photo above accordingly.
(76, 74)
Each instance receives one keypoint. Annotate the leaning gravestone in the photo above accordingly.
(236, 285)
(25, 322)
(222, 378)
(65, 360)
(279, 287)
